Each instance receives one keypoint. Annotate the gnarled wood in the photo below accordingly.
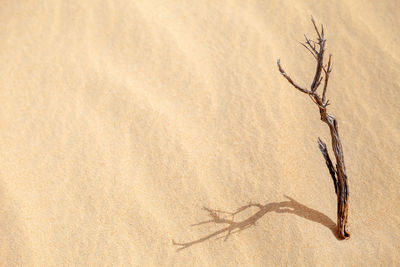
(338, 174)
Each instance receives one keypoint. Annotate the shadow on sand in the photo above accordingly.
(291, 206)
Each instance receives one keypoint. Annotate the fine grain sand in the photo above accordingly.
(121, 120)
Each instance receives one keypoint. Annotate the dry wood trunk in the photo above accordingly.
(341, 187)
(338, 174)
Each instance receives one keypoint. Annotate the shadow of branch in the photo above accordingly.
(292, 206)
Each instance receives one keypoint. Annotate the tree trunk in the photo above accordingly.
(341, 189)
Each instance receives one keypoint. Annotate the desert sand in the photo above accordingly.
(121, 120)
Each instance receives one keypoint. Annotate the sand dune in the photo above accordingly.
(121, 120)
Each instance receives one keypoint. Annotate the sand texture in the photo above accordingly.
(122, 120)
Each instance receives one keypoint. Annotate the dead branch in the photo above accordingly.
(332, 171)
(339, 176)
(290, 79)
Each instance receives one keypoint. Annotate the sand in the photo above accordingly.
(121, 120)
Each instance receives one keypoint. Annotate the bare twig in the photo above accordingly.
(312, 53)
(290, 79)
(315, 27)
(308, 42)
(327, 72)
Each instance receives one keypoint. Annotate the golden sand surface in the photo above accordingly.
(121, 120)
